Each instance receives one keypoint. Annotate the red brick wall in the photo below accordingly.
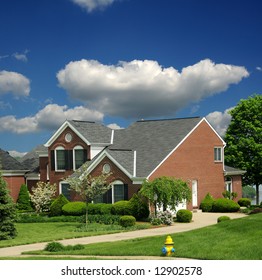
(14, 184)
(194, 160)
(237, 186)
(117, 174)
(54, 176)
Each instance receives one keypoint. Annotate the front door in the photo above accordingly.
(194, 193)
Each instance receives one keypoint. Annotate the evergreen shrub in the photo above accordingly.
(139, 205)
(184, 216)
(99, 208)
(244, 202)
(122, 207)
(207, 203)
(223, 218)
(57, 205)
(127, 221)
(225, 205)
(76, 208)
(23, 201)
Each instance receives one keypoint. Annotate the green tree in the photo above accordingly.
(7, 213)
(244, 140)
(166, 192)
(23, 202)
(88, 187)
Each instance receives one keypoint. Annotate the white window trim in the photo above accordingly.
(78, 147)
(59, 148)
(117, 182)
(221, 154)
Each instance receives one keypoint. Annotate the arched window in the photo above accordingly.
(79, 156)
(60, 159)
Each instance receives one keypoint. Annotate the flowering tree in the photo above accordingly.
(87, 186)
(41, 196)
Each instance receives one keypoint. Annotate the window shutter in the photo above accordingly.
(107, 197)
(125, 191)
(85, 155)
(68, 159)
(52, 160)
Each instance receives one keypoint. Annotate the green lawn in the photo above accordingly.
(41, 232)
(238, 239)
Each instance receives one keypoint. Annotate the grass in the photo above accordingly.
(237, 239)
(29, 233)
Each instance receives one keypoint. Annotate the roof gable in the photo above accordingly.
(89, 132)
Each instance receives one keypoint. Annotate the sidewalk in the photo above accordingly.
(199, 220)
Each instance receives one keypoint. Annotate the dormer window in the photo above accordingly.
(79, 156)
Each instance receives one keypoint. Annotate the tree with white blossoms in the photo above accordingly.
(41, 196)
(88, 187)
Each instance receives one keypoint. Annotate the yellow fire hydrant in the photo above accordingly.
(168, 249)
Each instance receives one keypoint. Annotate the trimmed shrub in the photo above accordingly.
(184, 216)
(23, 201)
(107, 219)
(207, 203)
(223, 218)
(140, 209)
(127, 221)
(76, 208)
(122, 207)
(57, 205)
(54, 247)
(225, 205)
(155, 221)
(244, 202)
(99, 208)
(58, 247)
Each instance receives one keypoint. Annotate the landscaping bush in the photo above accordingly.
(122, 207)
(57, 205)
(127, 221)
(107, 219)
(165, 217)
(58, 247)
(207, 203)
(225, 205)
(244, 202)
(223, 218)
(23, 201)
(140, 209)
(99, 208)
(155, 221)
(76, 208)
(184, 216)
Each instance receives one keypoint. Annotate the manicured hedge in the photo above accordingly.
(184, 216)
(99, 208)
(244, 202)
(222, 218)
(76, 208)
(207, 203)
(127, 221)
(122, 207)
(225, 205)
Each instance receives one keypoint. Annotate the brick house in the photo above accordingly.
(13, 173)
(186, 148)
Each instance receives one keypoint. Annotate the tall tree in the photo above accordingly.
(7, 213)
(88, 187)
(244, 140)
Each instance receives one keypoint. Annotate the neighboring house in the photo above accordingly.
(13, 173)
(186, 148)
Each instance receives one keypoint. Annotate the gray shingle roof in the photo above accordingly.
(9, 163)
(93, 132)
(153, 141)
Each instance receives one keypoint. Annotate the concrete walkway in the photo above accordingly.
(199, 220)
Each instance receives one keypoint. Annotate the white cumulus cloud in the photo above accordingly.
(49, 118)
(91, 5)
(15, 83)
(143, 88)
(220, 120)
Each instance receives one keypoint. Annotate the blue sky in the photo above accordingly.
(117, 61)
